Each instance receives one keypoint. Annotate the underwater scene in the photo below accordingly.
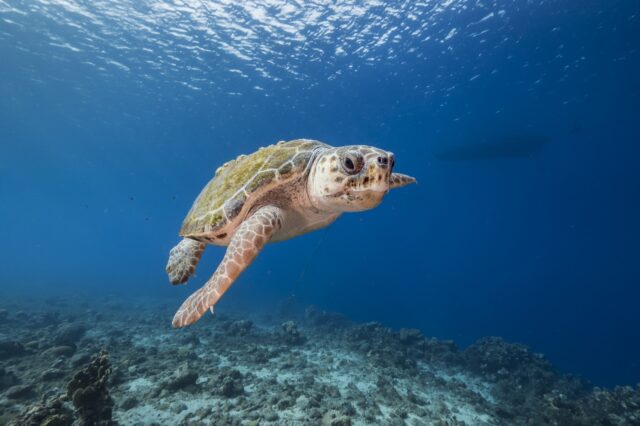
(327, 212)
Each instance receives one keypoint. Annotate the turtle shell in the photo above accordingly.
(238, 183)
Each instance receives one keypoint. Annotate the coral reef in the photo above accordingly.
(239, 328)
(183, 378)
(89, 394)
(50, 411)
(320, 369)
(290, 333)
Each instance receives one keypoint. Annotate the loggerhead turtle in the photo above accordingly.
(276, 193)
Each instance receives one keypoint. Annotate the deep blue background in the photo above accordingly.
(99, 162)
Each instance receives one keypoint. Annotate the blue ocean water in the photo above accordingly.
(114, 114)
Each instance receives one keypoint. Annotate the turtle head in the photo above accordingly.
(352, 178)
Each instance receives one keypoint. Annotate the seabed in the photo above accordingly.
(66, 362)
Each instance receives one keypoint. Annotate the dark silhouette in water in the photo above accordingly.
(505, 147)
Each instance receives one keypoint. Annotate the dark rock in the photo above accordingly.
(408, 336)
(324, 319)
(48, 412)
(52, 374)
(7, 379)
(69, 335)
(184, 377)
(490, 355)
(240, 328)
(80, 358)
(383, 346)
(259, 355)
(387, 390)
(290, 333)
(271, 416)
(284, 403)
(434, 350)
(186, 353)
(334, 418)
(20, 392)
(230, 383)
(620, 406)
(129, 403)
(178, 407)
(89, 394)
(367, 331)
(203, 412)
(32, 345)
(190, 339)
(66, 351)
(11, 349)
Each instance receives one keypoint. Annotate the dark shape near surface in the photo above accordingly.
(506, 147)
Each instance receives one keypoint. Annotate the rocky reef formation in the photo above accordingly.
(50, 411)
(290, 334)
(89, 394)
(313, 369)
(86, 402)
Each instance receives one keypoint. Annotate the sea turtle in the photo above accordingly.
(276, 193)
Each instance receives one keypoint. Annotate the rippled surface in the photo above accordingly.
(205, 45)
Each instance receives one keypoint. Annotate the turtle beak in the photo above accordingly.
(397, 180)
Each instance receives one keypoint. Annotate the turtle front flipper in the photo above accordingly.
(244, 246)
(183, 259)
(398, 180)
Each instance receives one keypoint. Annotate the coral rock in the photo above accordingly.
(51, 412)
(290, 333)
(240, 328)
(66, 351)
(230, 384)
(334, 418)
(20, 392)
(89, 394)
(183, 378)
(410, 335)
(10, 349)
(69, 335)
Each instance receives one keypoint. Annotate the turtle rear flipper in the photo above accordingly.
(183, 259)
(245, 245)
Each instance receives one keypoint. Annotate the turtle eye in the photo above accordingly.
(352, 164)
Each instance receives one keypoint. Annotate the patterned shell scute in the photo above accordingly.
(234, 183)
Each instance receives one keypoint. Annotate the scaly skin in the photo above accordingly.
(245, 245)
(183, 260)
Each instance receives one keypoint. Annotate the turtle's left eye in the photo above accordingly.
(352, 164)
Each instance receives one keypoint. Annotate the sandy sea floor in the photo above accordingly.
(64, 362)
